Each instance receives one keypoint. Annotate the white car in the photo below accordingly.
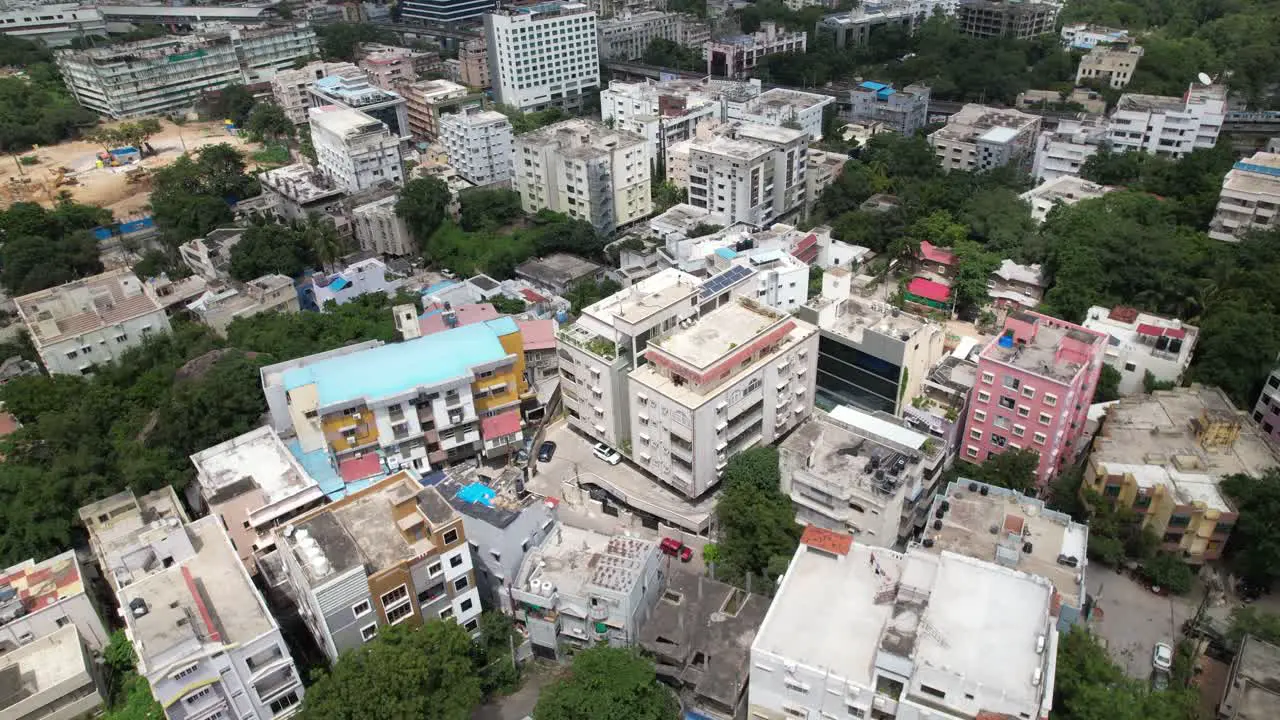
(607, 454)
(1162, 658)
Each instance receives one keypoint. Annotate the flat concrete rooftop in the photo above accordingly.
(1150, 103)
(1253, 693)
(729, 147)
(717, 333)
(257, 459)
(1039, 354)
(41, 666)
(577, 561)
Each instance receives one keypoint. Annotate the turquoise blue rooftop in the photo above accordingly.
(397, 367)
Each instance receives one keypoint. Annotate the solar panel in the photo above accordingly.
(725, 279)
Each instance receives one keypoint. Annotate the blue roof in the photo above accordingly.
(504, 325)
(439, 286)
(883, 93)
(397, 367)
(317, 465)
(329, 81)
(869, 85)
(340, 284)
(726, 253)
(477, 493)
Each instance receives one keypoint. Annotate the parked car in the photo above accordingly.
(546, 451)
(607, 454)
(1162, 658)
(675, 548)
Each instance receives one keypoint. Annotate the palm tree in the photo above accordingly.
(322, 237)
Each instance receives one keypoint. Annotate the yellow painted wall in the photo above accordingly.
(335, 423)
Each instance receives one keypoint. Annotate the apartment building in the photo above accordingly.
(855, 27)
(778, 279)
(446, 11)
(360, 278)
(579, 588)
(1109, 65)
(38, 598)
(395, 552)
(782, 107)
(1249, 199)
(1249, 688)
(915, 634)
(627, 36)
(353, 91)
(473, 61)
(221, 305)
(203, 636)
(943, 400)
(427, 101)
(750, 175)
(1062, 190)
(478, 143)
(53, 677)
(586, 170)
(1267, 410)
(253, 484)
(90, 321)
(295, 192)
(1017, 19)
(981, 138)
(518, 40)
(863, 474)
(1061, 152)
(904, 111)
(964, 514)
(390, 67)
(871, 355)
(1163, 455)
(353, 150)
(116, 523)
(436, 399)
(1083, 36)
(1035, 383)
(158, 76)
(377, 227)
(663, 113)
(291, 89)
(735, 57)
(1139, 343)
(824, 168)
(559, 272)
(54, 24)
(1169, 126)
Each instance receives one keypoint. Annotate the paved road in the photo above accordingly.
(1134, 619)
(519, 704)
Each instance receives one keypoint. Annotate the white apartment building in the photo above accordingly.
(1062, 190)
(1111, 65)
(1140, 343)
(663, 113)
(749, 173)
(290, 88)
(1249, 199)
(1062, 152)
(1169, 126)
(152, 77)
(586, 170)
(543, 55)
(781, 280)
(90, 321)
(478, 143)
(353, 150)
(203, 635)
(220, 305)
(627, 35)
(981, 138)
(1083, 36)
(55, 25)
(378, 229)
(735, 57)
(915, 635)
(782, 107)
(56, 671)
(353, 91)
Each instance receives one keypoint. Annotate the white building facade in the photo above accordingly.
(354, 150)
(663, 113)
(1249, 200)
(518, 41)
(1140, 343)
(478, 143)
(783, 107)
(749, 174)
(1063, 151)
(1169, 126)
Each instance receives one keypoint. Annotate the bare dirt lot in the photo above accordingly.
(107, 187)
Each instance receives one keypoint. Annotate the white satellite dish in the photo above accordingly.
(1205, 79)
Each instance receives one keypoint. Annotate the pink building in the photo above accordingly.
(1267, 412)
(1035, 382)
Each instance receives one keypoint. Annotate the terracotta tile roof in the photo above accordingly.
(1013, 524)
(828, 540)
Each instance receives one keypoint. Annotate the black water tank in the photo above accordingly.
(946, 505)
(928, 542)
(983, 492)
(973, 487)
(937, 524)
(939, 513)
(1026, 548)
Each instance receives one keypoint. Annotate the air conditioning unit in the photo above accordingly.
(355, 416)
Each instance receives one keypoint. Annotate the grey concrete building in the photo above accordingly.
(559, 272)
(53, 678)
(905, 110)
(38, 598)
(1018, 19)
(1251, 692)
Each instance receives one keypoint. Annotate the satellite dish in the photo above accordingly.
(1205, 79)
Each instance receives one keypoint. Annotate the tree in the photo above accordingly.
(1167, 571)
(665, 53)
(424, 206)
(607, 682)
(1089, 686)
(43, 248)
(1252, 621)
(1108, 388)
(1254, 545)
(420, 672)
(507, 305)
(488, 208)
(321, 237)
(271, 248)
(341, 41)
(233, 102)
(667, 194)
(268, 123)
(1014, 469)
(192, 196)
(758, 531)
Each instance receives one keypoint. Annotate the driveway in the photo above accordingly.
(1134, 619)
(519, 704)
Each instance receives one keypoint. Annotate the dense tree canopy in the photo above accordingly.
(193, 195)
(758, 531)
(341, 41)
(607, 682)
(1254, 546)
(1090, 686)
(488, 208)
(424, 206)
(268, 248)
(1013, 469)
(47, 247)
(35, 109)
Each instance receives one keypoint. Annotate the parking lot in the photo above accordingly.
(1133, 619)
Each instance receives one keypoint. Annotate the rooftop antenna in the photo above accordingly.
(1205, 79)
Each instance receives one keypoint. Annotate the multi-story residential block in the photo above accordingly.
(798, 5)
(435, 12)
(904, 111)
(627, 36)
(1249, 200)
(90, 321)
(116, 523)
(291, 89)
(981, 138)
(943, 402)
(823, 169)
(297, 191)
(478, 143)
(426, 101)
(473, 57)
(1013, 284)
(354, 151)
(1163, 455)
(1062, 190)
(1109, 65)
(855, 27)
(253, 484)
(391, 67)
(1083, 36)
(1170, 126)
(1061, 152)
(580, 587)
(1035, 383)
(904, 640)
(871, 355)
(153, 77)
(586, 170)
(219, 306)
(54, 677)
(520, 77)
(353, 91)
(441, 398)
(1249, 689)
(737, 56)
(357, 279)
(395, 552)
(38, 598)
(752, 175)
(663, 113)
(782, 107)
(866, 475)
(54, 24)
(375, 224)
(699, 618)
(210, 256)
(969, 511)
(559, 272)
(203, 636)
(1018, 19)
(1139, 343)
(1267, 410)
(778, 279)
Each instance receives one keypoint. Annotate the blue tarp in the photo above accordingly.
(477, 493)
(339, 284)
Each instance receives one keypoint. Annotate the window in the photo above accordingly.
(971, 452)
(1130, 367)
(1038, 438)
(856, 712)
(446, 613)
(1179, 521)
(988, 378)
(1028, 391)
(932, 691)
(399, 613)
(1002, 422)
(1111, 491)
(184, 672)
(472, 624)
(975, 434)
(1010, 382)
(979, 415)
(361, 608)
(1045, 418)
(1173, 537)
(369, 632)
(455, 561)
(281, 704)
(796, 686)
(1007, 402)
(1019, 431)
(984, 396)
(434, 570)
(465, 605)
(451, 537)
(461, 583)
(198, 695)
(999, 440)
(398, 595)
